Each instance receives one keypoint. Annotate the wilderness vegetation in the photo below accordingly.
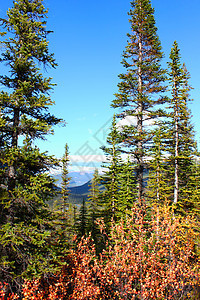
(138, 236)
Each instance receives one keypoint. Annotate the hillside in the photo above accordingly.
(77, 193)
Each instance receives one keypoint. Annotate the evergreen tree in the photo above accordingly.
(82, 221)
(173, 153)
(192, 203)
(159, 184)
(127, 189)
(71, 220)
(64, 209)
(142, 84)
(110, 178)
(183, 147)
(65, 180)
(93, 206)
(27, 225)
(75, 219)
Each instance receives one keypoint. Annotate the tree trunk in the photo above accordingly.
(176, 179)
(11, 168)
(140, 127)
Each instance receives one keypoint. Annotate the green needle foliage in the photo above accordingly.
(110, 178)
(118, 180)
(64, 209)
(141, 86)
(82, 220)
(95, 211)
(127, 189)
(93, 206)
(159, 184)
(65, 181)
(182, 149)
(172, 166)
(27, 232)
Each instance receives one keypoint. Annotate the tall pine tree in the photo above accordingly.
(183, 147)
(142, 84)
(27, 229)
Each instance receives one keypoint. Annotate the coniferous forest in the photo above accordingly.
(137, 234)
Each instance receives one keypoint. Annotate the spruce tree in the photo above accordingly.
(127, 189)
(159, 184)
(65, 181)
(192, 204)
(174, 148)
(182, 149)
(27, 233)
(82, 220)
(93, 206)
(75, 219)
(141, 85)
(110, 178)
(64, 209)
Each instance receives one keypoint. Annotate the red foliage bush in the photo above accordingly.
(144, 259)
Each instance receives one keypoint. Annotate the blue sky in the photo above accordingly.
(88, 40)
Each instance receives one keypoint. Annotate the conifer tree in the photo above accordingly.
(64, 209)
(75, 219)
(82, 220)
(71, 220)
(93, 206)
(65, 180)
(127, 189)
(110, 178)
(159, 184)
(141, 86)
(27, 225)
(192, 203)
(173, 153)
(183, 147)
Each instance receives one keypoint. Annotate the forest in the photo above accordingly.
(137, 234)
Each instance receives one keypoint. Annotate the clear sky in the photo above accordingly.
(88, 40)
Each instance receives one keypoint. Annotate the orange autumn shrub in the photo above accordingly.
(3, 292)
(59, 286)
(145, 258)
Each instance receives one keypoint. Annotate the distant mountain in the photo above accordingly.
(80, 185)
(81, 190)
(77, 193)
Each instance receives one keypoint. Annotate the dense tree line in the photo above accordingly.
(142, 214)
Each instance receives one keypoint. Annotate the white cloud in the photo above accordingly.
(85, 169)
(55, 171)
(82, 164)
(87, 158)
(77, 168)
(132, 120)
(128, 120)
